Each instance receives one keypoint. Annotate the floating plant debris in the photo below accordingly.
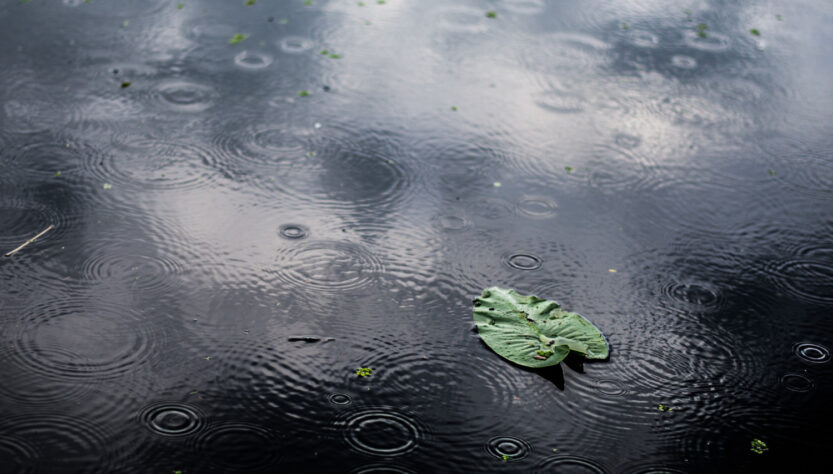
(534, 332)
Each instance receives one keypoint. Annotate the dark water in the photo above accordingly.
(228, 251)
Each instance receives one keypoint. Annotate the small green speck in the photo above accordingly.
(755, 32)
(555, 450)
(250, 2)
(454, 108)
(702, 34)
(491, 14)
(107, 186)
(303, 93)
(758, 446)
(364, 371)
(180, 6)
(506, 457)
(307, 2)
(125, 84)
(771, 173)
(237, 38)
(325, 52)
(779, 17)
(177, 472)
(193, 392)
(125, 23)
(361, 4)
(58, 174)
(625, 26)
(702, 27)
(496, 184)
(283, 21)
(662, 407)
(335, 56)
(380, 2)
(569, 169)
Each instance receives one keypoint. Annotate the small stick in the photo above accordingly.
(24, 244)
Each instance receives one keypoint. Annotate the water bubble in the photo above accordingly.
(451, 222)
(340, 399)
(797, 383)
(524, 261)
(627, 141)
(537, 207)
(172, 419)
(293, 231)
(813, 353)
(295, 44)
(643, 39)
(184, 96)
(683, 62)
(252, 60)
(381, 432)
(508, 448)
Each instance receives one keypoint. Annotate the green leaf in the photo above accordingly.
(534, 332)
(491, 14)
(755, 32)
(758, 446)
(237, 38)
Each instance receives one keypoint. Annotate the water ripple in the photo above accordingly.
(812, 353)
(573, 464)
(508, 448)
(253, 60)
(116, 340)
(237, 447)
(380, 431)
(183, 96)
(807, 274)
(52, 442)
(172, 419)
(332, 266)
(149, 163)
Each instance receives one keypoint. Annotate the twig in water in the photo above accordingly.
(24, 244)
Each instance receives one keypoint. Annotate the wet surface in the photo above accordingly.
(250, 203)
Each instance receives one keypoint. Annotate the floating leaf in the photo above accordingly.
(534, 332)
(758, 446)
(364, 371)
(237, 38)
(755, 32)
(491, 14)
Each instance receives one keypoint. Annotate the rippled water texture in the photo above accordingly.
(269, 219)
